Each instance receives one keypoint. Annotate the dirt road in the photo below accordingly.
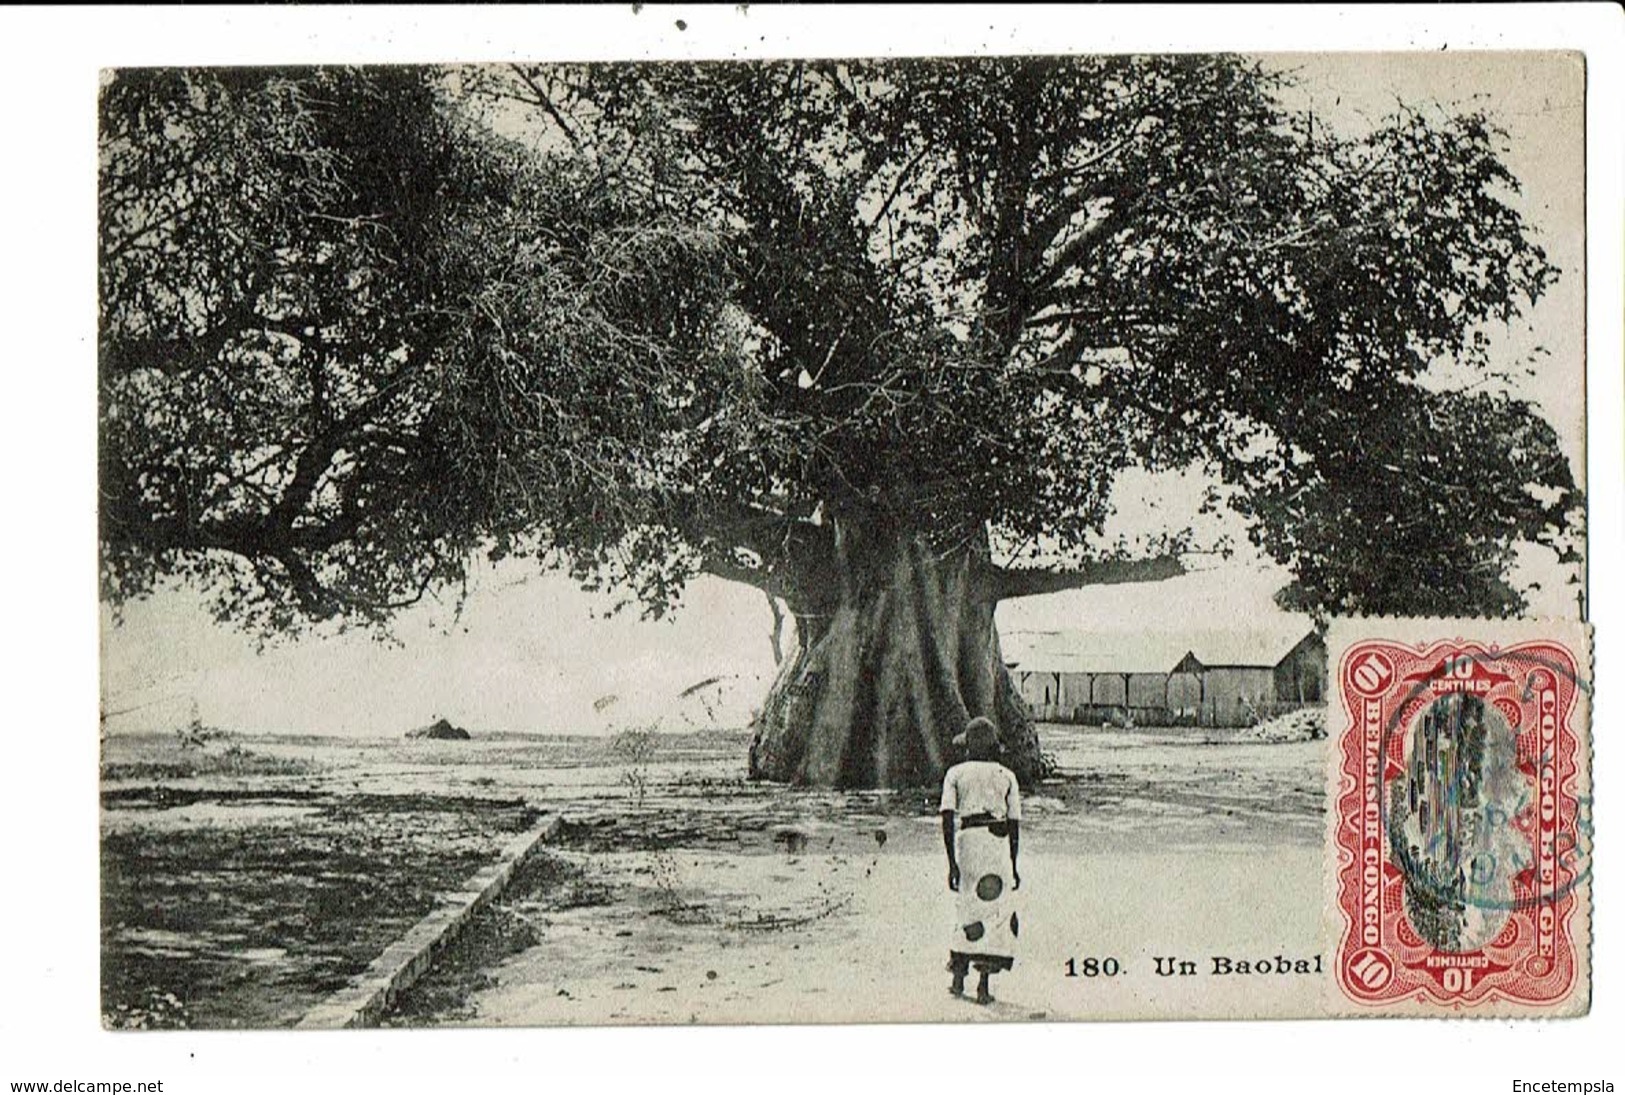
(684, 893)
(877, 951)
(818, 910)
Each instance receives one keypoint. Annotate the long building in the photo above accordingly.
(1214, 678)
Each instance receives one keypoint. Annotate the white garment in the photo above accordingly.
(982, 787)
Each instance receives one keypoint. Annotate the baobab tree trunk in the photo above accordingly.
(893, 658)
(896, 649)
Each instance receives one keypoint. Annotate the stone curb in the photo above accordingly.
(363, 1002)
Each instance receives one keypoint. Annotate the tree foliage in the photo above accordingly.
(319, 290)
(977, 290)
(703, 317)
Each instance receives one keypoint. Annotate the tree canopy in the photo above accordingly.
(699, 317)
(312, 283)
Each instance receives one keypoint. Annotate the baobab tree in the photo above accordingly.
(876, 338)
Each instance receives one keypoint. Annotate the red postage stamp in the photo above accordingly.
(1462, 819)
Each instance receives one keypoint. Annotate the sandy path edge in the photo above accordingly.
(371, 993)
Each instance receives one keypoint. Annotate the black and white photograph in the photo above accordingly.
(603, 537)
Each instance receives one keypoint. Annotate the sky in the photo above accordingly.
(532, 653)
(1539, 99)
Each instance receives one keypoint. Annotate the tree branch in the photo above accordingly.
(719, 564)
(1073, 251)
(184, 353)
(897, 187)
(314, 461)
(1009, 584)
(728, 524)
(545, 101)
(777, 635)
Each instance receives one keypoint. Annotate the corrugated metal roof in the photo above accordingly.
(1259, 647)
(1150, 652)
(1092, 652)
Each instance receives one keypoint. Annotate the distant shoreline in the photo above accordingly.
(340, 737)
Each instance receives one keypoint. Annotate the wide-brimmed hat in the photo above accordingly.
(980, 735)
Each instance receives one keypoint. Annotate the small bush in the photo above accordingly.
(636, 749)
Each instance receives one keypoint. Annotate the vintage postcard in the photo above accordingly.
(1094, 536)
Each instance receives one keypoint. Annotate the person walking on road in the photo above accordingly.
(981, 832)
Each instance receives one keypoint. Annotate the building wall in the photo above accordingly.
(1184, 696)
(1042, 692)
(1093, 689)
(1222, 696)
(1095, 697)
(1235, 695)
(1301, 676)
(1148, 690)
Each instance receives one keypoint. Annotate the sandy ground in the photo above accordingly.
(1151, 846)
(696, 896)
(880, 957)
